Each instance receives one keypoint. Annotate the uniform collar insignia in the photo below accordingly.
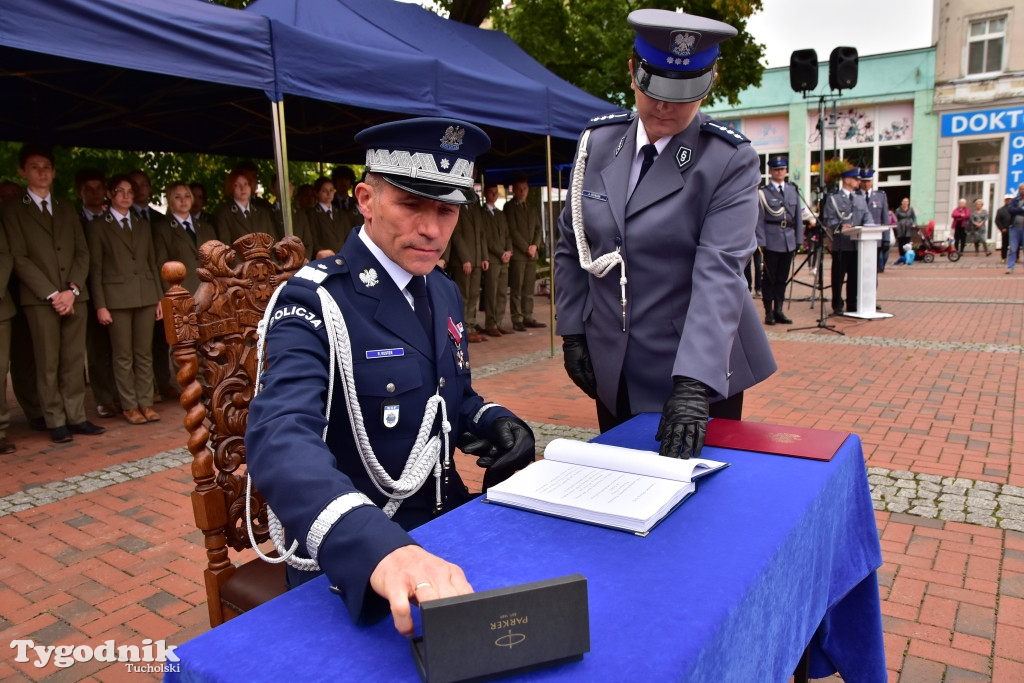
(683, 156)
(369, 277)
(622, 141)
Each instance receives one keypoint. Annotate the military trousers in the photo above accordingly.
(5, 362)
(23, 367)
(100, 360)
(844, 267)
(131, 340)
(59, 343)
(469, 286)
(522, 278)
(776, 274)
(495, 293)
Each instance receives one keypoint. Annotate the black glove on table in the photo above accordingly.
(577, 363)
(684, 420)
(510, 447)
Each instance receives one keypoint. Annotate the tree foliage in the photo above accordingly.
(588, 42)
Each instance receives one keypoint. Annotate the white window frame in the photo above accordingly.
(969, 40)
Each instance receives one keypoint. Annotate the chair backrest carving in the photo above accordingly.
(213, 336)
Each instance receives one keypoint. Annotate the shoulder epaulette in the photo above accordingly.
(724, 132)
(605, 119)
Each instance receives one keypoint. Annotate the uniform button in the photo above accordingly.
(390, 387)
(339, 261)
(441, 382)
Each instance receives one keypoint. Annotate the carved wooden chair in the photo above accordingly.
(213, 336)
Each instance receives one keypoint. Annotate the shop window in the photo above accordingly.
(985, 45)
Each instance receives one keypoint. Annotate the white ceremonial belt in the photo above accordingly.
(325, 521)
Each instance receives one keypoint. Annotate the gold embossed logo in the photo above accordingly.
(506, 622)
(784, 437)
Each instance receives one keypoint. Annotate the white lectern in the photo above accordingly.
(867, 238)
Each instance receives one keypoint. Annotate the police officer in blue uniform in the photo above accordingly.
(780, 230)
(878, 207)
(653, 307)
(367, 384)
(844, 209)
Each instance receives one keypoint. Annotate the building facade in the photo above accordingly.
(979, 99)
(885, 122)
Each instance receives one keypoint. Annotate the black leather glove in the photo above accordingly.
(509, 447)
(577, 363)
(684, 420)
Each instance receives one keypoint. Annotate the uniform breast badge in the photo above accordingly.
(455, 334)
(369, 277)
(389, 414)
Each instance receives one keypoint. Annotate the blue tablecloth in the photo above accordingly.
(771, 554)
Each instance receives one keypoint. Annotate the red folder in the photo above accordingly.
(799, 442)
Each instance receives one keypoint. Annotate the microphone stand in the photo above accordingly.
(820, 248)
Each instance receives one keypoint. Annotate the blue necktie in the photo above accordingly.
(421, 304)
(649, 152)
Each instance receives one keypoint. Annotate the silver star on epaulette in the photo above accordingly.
(445, 164)
(369, 277)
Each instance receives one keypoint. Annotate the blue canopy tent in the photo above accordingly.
(185, 75)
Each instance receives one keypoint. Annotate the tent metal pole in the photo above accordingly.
(281, 159)
(551, 248)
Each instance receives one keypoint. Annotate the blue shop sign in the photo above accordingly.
(983, 122)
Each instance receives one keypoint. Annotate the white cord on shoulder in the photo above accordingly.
(424, 458)
(604, 263)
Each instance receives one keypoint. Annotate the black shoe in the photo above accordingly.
(534, 324)
(519, 327)
(60, 435)
(6, 446)
(781, 317)
(769, 318)
(38, 424)
(86, 428)
(835, 313)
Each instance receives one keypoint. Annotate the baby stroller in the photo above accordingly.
(927, 249)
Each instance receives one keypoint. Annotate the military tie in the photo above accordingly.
(421, 304)
(245, 213)
(46, 210)
(190, 231)
(649, 152)
(125, 224)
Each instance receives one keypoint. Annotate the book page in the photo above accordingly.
(562, 487)
(631, 460)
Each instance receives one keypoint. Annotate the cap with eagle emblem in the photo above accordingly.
(429, 156)
(674, 54)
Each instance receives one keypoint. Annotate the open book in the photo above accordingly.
(621, 488)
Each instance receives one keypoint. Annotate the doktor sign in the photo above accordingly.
(1009, 121)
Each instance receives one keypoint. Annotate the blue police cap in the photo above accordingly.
(850, 173)
(674, 54)
(778, 161)
(430, 157)
(867, 174)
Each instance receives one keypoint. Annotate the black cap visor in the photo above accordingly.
(672, 86)
(449, 194)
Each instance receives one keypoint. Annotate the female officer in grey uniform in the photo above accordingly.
(368, 383)
(649, 281)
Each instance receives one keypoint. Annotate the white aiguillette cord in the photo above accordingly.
(424, 457)
(604, 263)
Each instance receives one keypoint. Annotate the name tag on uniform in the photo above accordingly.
(595, 195)
(385, 353)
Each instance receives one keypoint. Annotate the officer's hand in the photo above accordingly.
(512, 448)
(411, 575)
(578, 366)
(684, 420)
(473, 445)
